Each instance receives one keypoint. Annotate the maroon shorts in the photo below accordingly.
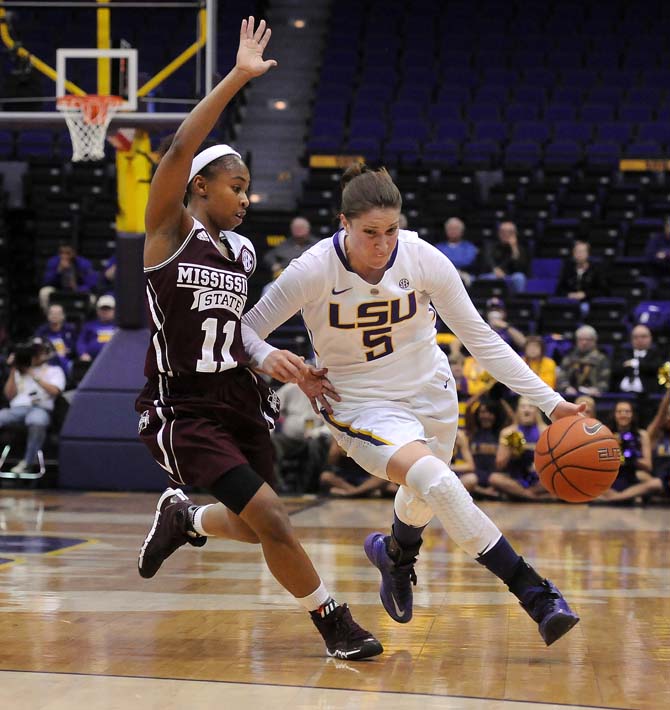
(197, 427)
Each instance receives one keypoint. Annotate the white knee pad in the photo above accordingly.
(437, 485)
(410, 509)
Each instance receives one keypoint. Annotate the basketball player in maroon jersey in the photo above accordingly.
(203, 413)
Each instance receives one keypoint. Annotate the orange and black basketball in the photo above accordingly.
(577, 458)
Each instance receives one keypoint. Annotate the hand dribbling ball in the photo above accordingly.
(577, 458)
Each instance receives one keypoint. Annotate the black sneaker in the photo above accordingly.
(344, 637)
(169, 532)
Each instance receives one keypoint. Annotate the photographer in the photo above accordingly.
(31, 388)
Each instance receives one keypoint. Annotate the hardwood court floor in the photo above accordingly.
(81, 630)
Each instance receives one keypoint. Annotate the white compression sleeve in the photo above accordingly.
(410, 509)
(464, 522)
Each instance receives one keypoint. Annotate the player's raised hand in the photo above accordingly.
(252, 45)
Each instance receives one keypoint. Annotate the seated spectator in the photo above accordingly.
(659, 441)
(580, 279)
(31, 388)
(515, 473)
(658, 251)
(533, 355)
(635, 366)
(478, 380)
(61, 334)
(300, 241)
(635, 451)
(97, 333)
(108, 280)
(344, 478)
(484, 421)
(506, 258)
(300, 434)
(67, 272)
(461, 253)
(496, 316)
(585, 370)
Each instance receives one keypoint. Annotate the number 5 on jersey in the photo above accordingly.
(206, 362)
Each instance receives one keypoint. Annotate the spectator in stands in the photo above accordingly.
(344, 478)
(300, 434)
(580, 279)
(585, 370)
(108, 275)
(635, 366)
(659, 441)
(301, 240)
(31, 388)
(97, 333)
(506, 258)
(534, 355)
(61, 334)
(462, 463)
(658, 251)
(484, 420)
(496, 317)
(635, 449)
(461, 253)
(67, 272)
(516, 475)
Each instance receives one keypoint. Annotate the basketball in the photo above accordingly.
(577, 458)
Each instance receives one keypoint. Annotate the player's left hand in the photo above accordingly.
(317, 387)
(285, 366)
(567, 409)
(252, 45)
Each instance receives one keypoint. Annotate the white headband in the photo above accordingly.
(209, 155)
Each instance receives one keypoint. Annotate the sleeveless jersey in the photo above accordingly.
(195, 300)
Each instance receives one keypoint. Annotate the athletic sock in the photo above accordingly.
(406, 535)
(194, 518)
(318, 601)
(501, 559)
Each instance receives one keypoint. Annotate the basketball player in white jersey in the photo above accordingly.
(204, 415)
(368, 297)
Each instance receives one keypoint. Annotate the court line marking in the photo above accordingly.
(320, 687)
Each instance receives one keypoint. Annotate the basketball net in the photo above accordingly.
(87, 119)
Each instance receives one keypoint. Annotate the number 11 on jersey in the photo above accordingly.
(207, 363)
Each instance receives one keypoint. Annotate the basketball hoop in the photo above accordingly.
(87, 118)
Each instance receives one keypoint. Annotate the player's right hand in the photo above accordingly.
(252, 45)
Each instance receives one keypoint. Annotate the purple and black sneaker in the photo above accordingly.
(544, 604)
(398, 577)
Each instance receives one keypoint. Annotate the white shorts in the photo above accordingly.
(372, 432)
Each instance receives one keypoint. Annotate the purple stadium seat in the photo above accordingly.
(583, 78)
(644, 149)
(562, 153)
(525, 153)
(546, 268)
(659, 132)
(597, 113)
(409, 128)
(604, 95)
(614, 131)
(480, 152)
(535, 75)
(637, 113)
(521, 112)
(570, 95)
(491, 94)
(537, 131)
(451, 131)
(490, 130)
(441, 151)
(482, 112)
(369, 147)
(573, 130)
(444, 111)
(556, 112)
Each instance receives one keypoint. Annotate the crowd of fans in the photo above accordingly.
(494, 449)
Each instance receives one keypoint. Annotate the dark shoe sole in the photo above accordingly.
(558, 626)
(367, 650)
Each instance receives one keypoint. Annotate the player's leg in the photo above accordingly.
(244, 492)
(415, 466)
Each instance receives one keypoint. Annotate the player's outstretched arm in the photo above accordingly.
(166, 218)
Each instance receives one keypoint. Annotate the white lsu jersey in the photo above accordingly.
(378, 340)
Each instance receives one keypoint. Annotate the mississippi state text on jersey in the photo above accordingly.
(195, 300)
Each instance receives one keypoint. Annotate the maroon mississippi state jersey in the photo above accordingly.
(196, 299)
